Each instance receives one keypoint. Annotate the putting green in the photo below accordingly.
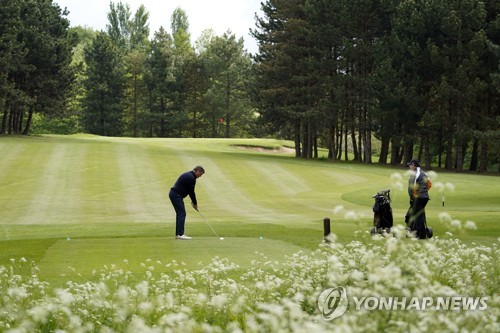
(82, 257)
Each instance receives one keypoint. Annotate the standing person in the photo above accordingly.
(183, 187)
(418, 190)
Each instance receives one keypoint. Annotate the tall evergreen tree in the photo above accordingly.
(139, 30)
(287, 92)
(36, 76)
(103, 102)
(184, 54)
(12, 54)
(163, 119)
(227, 66)
(134, 59)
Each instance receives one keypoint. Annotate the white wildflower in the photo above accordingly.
(145, 308)
(456, 224)
(351, 215)
(432, 174)
(65, 296)
(219, 301)
(18, 293)
(470, 225)
(138, 324)
(396, 176)
(143, 288)
(39, 314)
(444, 217)
(122, 294)
(398, 186)
(391, 244)
(338, 209)
(331, 237)
(172, 319)
(450, 187)
(357, 275)
(438, 186)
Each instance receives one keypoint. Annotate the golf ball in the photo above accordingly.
(68, 239)
(221, 238)
(261, 238)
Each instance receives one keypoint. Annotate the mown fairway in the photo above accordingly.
(73, 204)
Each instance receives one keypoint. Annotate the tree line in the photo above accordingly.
(421, 77)
(164, 87)
(119, 82)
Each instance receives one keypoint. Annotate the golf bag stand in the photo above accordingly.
(382, 213)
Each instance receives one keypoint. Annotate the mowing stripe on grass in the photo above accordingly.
(230, 199)
(56, 189)
(279, 178)
(343, 178)
(103, 196)
(144, 195)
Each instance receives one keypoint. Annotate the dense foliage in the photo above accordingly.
(421, 77)
(35, 53)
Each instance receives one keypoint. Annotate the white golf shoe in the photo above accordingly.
(184, 237)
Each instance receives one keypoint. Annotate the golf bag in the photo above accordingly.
(382, 213)
(411, 230)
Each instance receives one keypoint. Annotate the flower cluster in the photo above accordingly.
(270, 296)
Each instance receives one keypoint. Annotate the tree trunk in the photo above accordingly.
(315, 146)
(427, 153)
(354, 144)
(474, 155)
(460, 155)
(228, 126)
(384, 151)
(449, 154)
(483, 157)
(331, 140)
(305, 141)
(134, 126)
(297, 138)
(346, 143)
(3, 130)
(396, 146)
(28, 121)
(408, 150)
(368, 147)
(310, 140)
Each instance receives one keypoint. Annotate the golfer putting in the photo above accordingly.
(184, 186)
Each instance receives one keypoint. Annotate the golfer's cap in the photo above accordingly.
(414, 161)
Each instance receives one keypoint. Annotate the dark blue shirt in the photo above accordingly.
(184, 186)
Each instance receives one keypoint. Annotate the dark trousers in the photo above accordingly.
(418, 217)
(180, 212)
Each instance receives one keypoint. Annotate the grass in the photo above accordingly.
(73, 204)
(86, 241)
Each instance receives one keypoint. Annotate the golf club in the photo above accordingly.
(204, 219)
